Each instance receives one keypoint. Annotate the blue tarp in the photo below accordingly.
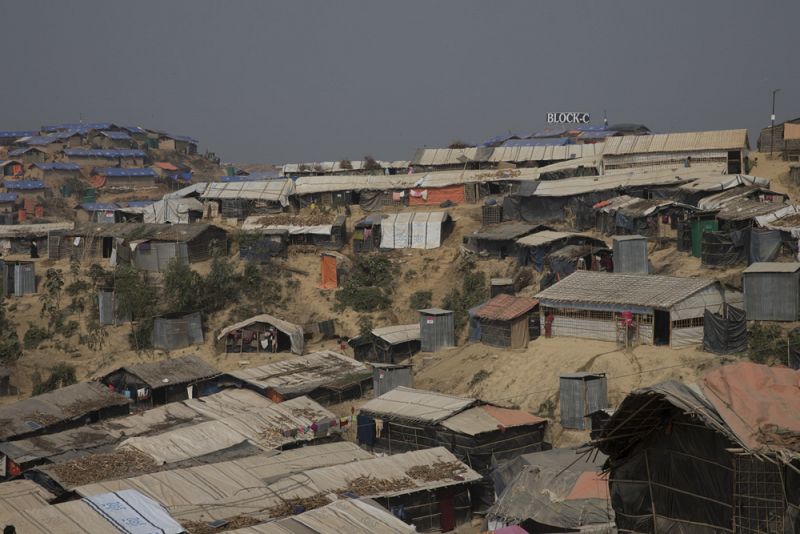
(41, 140)
(58, 166)
(139, 203)
(365, 430)
(17, 133)
(97, 206)
(97, 153)
(474, 323)
(23, 184)
(8, 197)
(252, 177)
(118, 172)
(120, 136)
(78, 126)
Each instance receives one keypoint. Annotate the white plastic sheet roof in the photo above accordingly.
(418, 229)
(294, 331)
(350, 516)
(19, 495)
(267, 190)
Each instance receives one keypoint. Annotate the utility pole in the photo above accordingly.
(772, 128)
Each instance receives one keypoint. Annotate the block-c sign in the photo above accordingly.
(568, 117)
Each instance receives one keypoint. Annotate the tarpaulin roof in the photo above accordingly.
(395, 334)
(755, 402)
(99, 153)
(302, 374)
(487, 418)
(99, 206)
(294, 331)
(33, 230)
(167, 166)
(227, 489)
(269, 190)
(503, 231)
(350, 516)
(558, 141)
(252, 177)
(125, 512)
(48, 409)
(184, 138)
(41, 140)
(162, 373)
(78, 126)
(20, 495)
(622, 289)
(23, 184)
(417, 405)
(558, 488)
(8, 197)
(129, 172)
(417, 229)
(521, 153)
(23, 151)
(505, 307)
(58, 166)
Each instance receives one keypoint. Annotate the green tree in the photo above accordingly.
(61, 374)
(182, 288)
(138, 299)
(10, 347)
(221, 286)
(51, 294)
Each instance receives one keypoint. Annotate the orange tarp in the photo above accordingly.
(590, 485)
(758, 403)
(791, 131)
(453, 193)
(510, 418)
(97, 181)
(328, 272)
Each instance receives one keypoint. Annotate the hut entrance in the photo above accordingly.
(734, 162)
(108, 244)
(661, 325)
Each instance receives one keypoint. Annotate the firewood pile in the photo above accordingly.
(121, 463)
(369, 485)
(288, 506)
(437, 471)
(202, 527)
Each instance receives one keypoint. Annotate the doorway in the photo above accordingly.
(108, 244)
(661, 320)
(734, 162)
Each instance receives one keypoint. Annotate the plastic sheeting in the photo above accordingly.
(328, 278)
(764, 245)
(170, 334)
(133, 513)
(413, 230)
(724, 248)
(725, 334)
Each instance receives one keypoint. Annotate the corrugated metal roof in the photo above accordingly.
(51, 408)
(350, 516)
(677, 142)
(302, 374)
(98, 153)
(435, 311)
(772, 267)
(129, 172)
(395, 334)
(417, 405)
(58, 166)
(505, 307)
(162, 373)
(23, 184)
(486, 418)
(650, 291)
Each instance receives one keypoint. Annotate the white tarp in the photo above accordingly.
(421, 229)
(133, 513)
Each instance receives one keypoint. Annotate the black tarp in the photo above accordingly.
(723, 248)
(725, 334)
(371, 200)
(764, 245)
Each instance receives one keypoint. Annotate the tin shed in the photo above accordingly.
(506, 321)
(436, 329)
(500, 286)
(387, 376)
(630, 254)
(580, 395)
(19, 278)
(772, 291)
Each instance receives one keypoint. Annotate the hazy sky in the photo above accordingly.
(260, 81)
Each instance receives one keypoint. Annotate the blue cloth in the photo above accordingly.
(365, 430)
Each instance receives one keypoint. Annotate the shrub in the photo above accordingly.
(34, 337)
(420, 300)
(369, 285)
(62, 374)
(473, 292)
(10, 348)
(182, 288)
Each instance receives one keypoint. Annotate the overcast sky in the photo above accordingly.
(260, 81)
